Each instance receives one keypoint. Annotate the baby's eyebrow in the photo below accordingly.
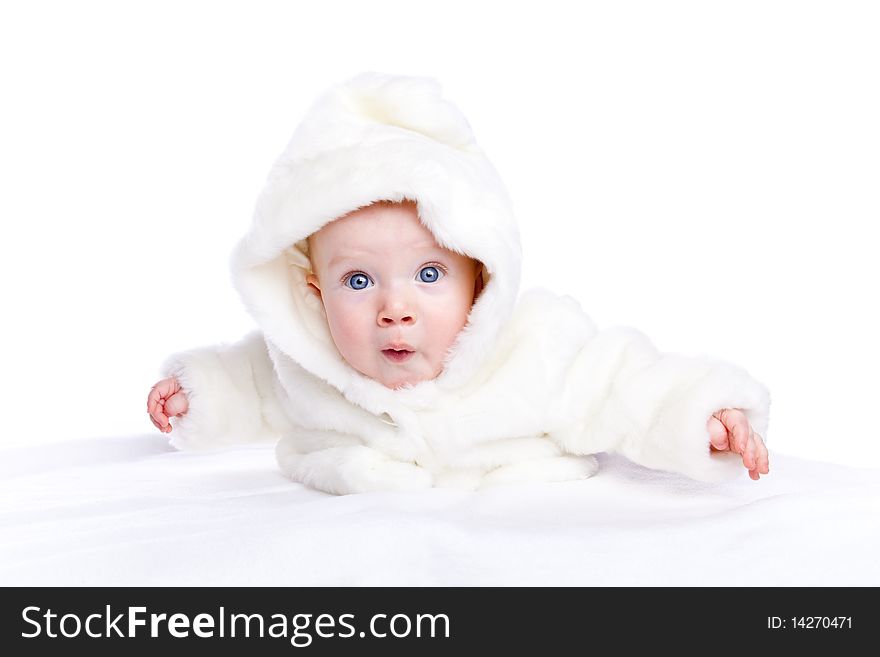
(354, 255)
(342, 257)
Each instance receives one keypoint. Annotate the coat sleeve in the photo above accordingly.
(231, 393)
(622, 395)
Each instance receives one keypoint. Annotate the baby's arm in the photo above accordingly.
(623, 395)
(218, 395)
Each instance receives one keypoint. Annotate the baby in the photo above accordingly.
(395, 353)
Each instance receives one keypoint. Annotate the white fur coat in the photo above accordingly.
(529, 390)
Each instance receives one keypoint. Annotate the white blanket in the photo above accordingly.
(132, 511)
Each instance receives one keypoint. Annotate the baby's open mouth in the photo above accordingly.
(397, 355)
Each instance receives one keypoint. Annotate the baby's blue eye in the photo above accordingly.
(357, 281)
(429, 274)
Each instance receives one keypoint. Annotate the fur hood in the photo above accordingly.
(378, 137)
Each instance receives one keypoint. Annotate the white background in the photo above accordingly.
(705, 172)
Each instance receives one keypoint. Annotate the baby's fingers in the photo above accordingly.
(738, 428)
(161, 422)
(718, 436)
(763, 465)
(154, 399)
(156, 410)
(758, 462)
(176, 405)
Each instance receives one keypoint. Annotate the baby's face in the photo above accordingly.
(384, 283)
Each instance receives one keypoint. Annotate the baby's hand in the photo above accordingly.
(167, 399)
(729, 429)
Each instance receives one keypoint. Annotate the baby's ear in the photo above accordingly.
(478, 284)
(313, 282)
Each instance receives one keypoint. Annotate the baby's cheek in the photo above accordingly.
(443, 328)
(349, 332)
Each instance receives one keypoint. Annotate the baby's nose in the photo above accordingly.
(398, 313)
(389, 319)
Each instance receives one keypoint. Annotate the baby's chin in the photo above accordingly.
(402, 383)
(399, 378)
